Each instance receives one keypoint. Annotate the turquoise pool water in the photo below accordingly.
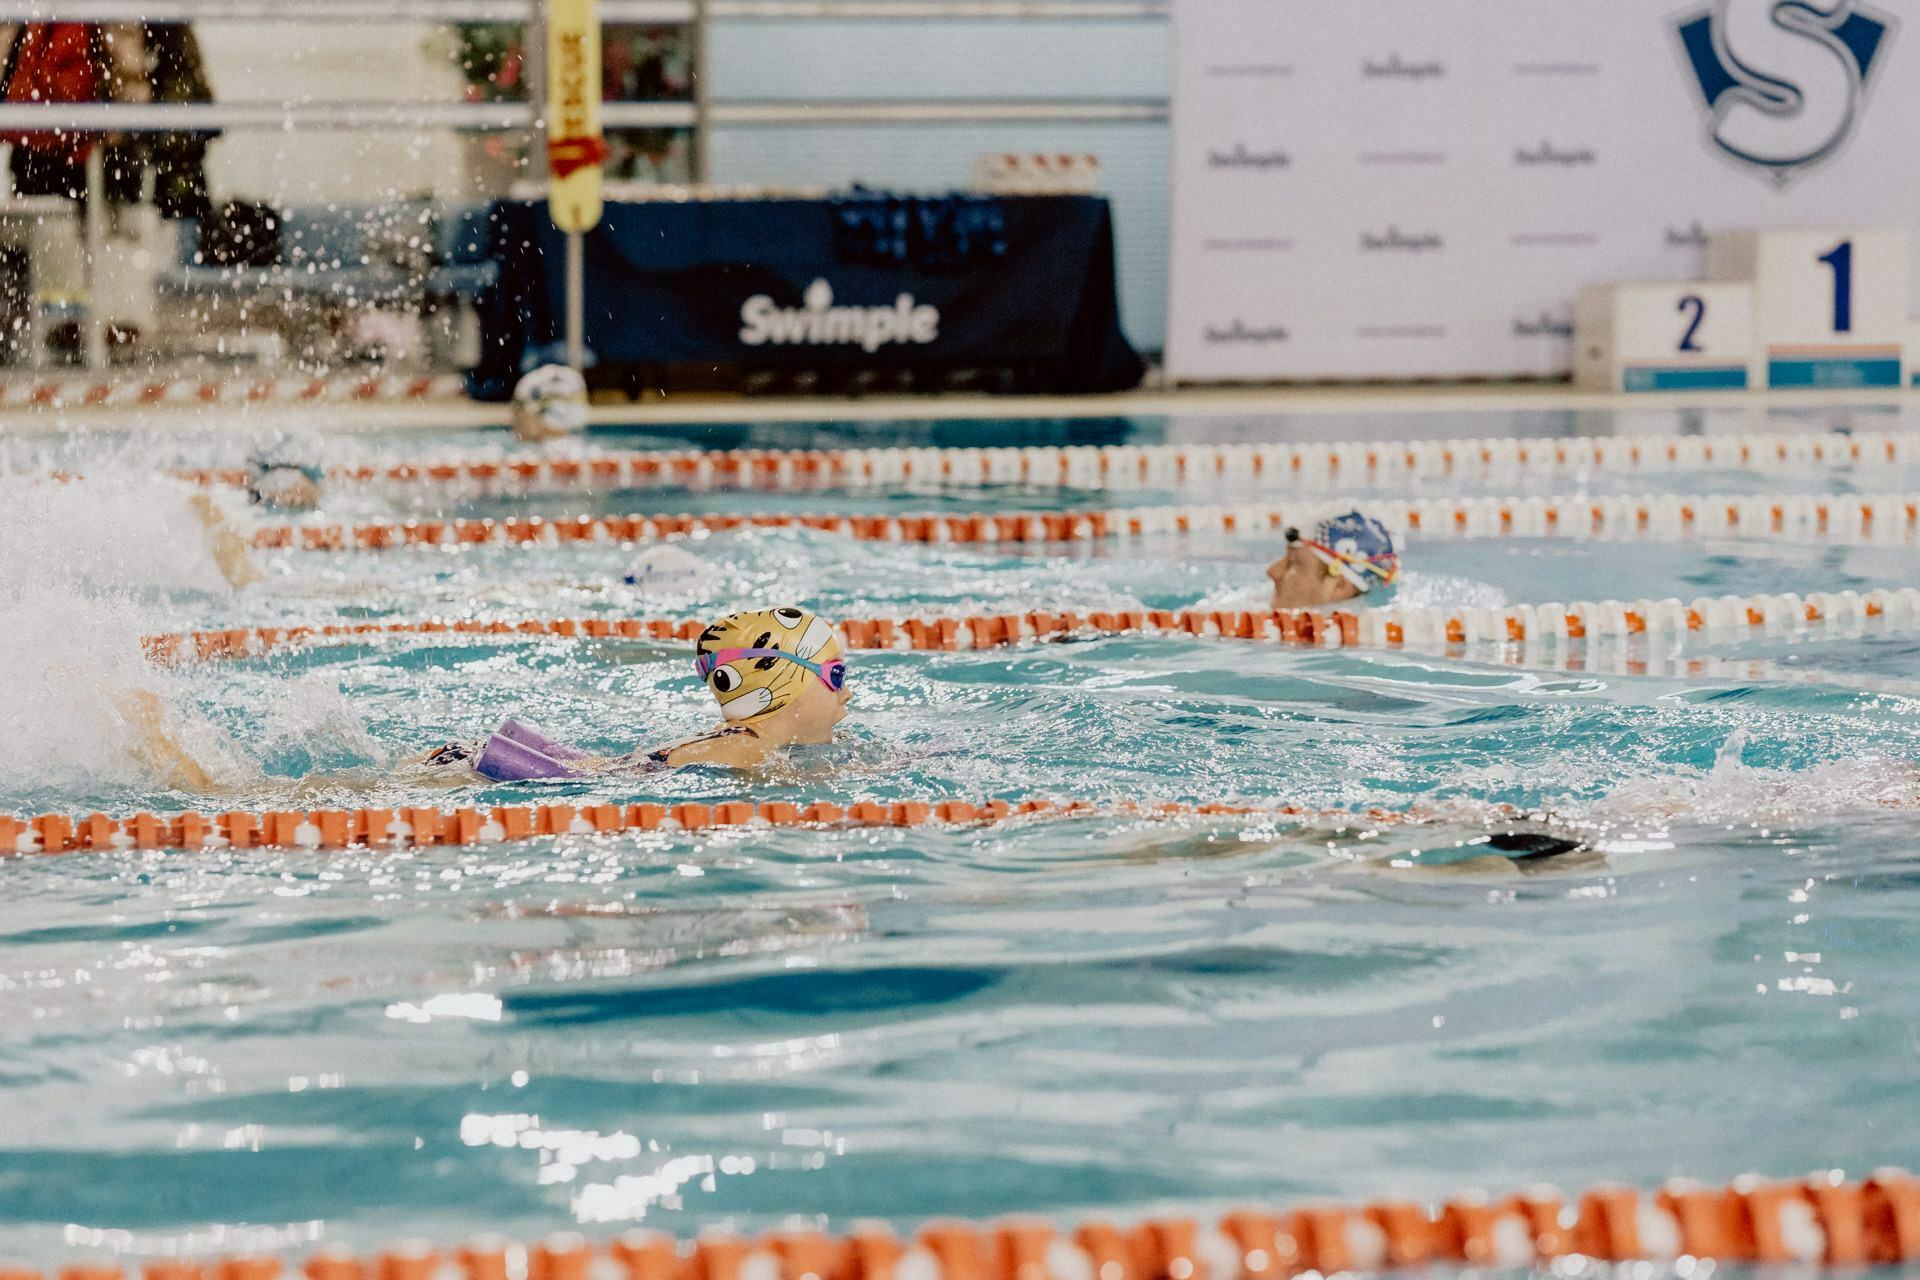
(1090, 1016)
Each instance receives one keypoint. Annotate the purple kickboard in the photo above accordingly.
(528, 736)
(505, 760)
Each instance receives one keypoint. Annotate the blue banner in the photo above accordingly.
(1013, 294)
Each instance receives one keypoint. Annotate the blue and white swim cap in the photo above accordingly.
(1357, 547)
(557, 394)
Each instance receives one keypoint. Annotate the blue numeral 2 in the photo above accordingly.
(1698, 305)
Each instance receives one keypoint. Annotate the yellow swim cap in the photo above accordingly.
(757, 662)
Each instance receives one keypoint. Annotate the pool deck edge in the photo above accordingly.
(442, 414)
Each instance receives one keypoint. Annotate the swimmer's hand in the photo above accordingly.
(450, 754)
(155, 747)
(228, 547)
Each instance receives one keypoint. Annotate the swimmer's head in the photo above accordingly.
(668, 571)
(1343, 557)
(549, 402)
(283, 481)
(775, 662)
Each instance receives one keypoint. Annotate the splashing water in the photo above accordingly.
(1732, 791)
(1057, 1016)
(90, 567)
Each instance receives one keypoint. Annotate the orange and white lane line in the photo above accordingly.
(1891, 519)
(1161, 466)
(1819, 1221)
(72, 392)
(52, 833)
(1566, 633)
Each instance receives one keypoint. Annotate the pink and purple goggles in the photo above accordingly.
(832, 673)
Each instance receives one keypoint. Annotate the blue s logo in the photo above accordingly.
(1782, 81)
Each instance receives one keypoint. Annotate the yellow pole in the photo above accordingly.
(575, 148)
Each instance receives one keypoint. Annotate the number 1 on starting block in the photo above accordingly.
(1830, 303)
(1664, 336)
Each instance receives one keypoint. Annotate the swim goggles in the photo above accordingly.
(832, 673)
(1384, 567)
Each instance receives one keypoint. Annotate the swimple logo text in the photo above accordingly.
(1394, 67)
(821, 324)
(1243, 158)
(1781, 81)
(1548, 154)
(1691, 236)
(1240, 331)
(1395, 239)
(1542, 326)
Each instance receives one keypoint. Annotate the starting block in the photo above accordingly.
(1665, 336)
(1830, 303)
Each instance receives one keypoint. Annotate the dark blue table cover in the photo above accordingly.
(1024, 287)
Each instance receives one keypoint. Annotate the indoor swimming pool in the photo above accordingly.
(1104, 1013)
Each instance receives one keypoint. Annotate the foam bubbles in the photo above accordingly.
(82, 561)
(108, 531)
(1733, 791)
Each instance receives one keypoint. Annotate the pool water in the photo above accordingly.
(1086, 1016)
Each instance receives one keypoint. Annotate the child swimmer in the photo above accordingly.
(778, 674)
(1345, 558)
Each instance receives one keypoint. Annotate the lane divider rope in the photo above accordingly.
(1551, 625)
(1872, 518)
(1123, 466)
(68, 393)
(53, 833)
(1819, 1220)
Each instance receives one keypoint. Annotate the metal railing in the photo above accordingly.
(89, 117)
(700, 115)
(614, 11)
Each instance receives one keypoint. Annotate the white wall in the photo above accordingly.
(323, 62)
(1420, 190)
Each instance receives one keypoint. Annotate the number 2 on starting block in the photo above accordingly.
(1830, 303)
(1664, 336)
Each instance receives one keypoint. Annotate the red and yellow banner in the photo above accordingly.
(575, 147)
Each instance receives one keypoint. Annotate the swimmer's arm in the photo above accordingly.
(155, 747)
(228, 547)
(735, 747)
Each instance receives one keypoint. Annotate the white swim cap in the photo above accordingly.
(557, 393)
(667, 571)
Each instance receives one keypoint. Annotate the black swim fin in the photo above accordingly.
(1519, 845)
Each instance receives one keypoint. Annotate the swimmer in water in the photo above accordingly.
(228, 547)
(1343, 558)
(549, 403)
(278, 481)
(275, 482)
(778, 674)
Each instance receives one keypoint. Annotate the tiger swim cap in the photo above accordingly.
(759, 661)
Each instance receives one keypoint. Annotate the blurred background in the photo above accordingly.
(1077, 198)
(375, 134)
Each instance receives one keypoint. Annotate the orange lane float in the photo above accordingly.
(333, 829)
(128, 389)
(1193, 465)
(1874, 518)
(1549, 628)
(1819, 1221)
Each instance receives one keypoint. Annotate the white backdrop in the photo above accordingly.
(1396, 188)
